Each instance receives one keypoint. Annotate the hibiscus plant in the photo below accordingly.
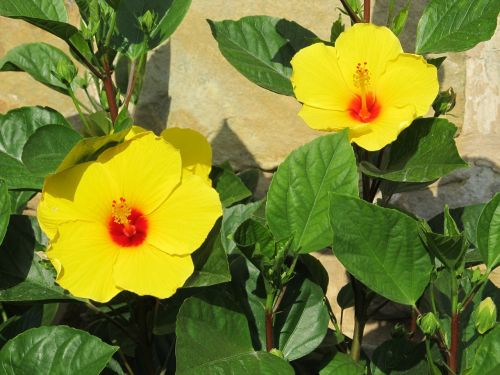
(141, 257)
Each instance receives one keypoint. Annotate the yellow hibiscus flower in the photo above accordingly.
(131, 219)
(365, 83)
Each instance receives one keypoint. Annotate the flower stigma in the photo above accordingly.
(127, 226)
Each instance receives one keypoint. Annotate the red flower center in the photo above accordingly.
(127, 226)
(361, 114)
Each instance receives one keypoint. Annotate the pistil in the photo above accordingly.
(362, 80)
(121, 213)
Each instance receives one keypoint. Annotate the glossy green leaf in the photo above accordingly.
(56, 350)
(255, 240)
(400, 356)
(24, 275)
(303, 320)
(41, 61)
(488, 233)
(342, 364)
(147, 22)
(229, 186)
(380, 247)
(210, 262)
(16, 127)
(456, 25)
(5, 209)
(232, 219)
(487, 360)
(316, 272)
(49, 15)
(424, 152)
(89, 149)
(261, 48)
(218, 322)
(47, 147)
(297, 202)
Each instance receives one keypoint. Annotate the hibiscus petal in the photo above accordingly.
(196, 153)
(145, 270)
(328, 120)
(385, 128)
(365, 42)
(409, 79)
(181, 224)
(146, 168)
(84, 256)
(317, 80)
(83, 192)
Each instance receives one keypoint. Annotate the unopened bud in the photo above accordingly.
(428, 323)
(445, 102)
(485, 315)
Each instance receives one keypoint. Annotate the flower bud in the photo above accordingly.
(428, 323)
(485, 315)
(445, 101)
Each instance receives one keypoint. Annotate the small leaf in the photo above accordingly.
(4, 209)
(261, 48)
(398, 23)
(345, 298)
(380, 247)
(232, 219)
(210, 262)
(458, 25)
(47, 147)
(229, 186)
(255, 240)
(444, 102)
(215, 319)
(488, 233)
(342, 364)
(338, 27)
(55, 350)
(316, 272)
(42, 61)
(424, 152)
(297, 202)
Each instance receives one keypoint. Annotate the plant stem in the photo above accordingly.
(455, 328)
(269, 321)
(366, 10)
(352, 14)
(79, 110)
(135, 68)
(110, 91)
(359, 318)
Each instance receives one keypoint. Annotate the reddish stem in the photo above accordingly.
(110, 92)
(366, 11)
(269, 330)
(453, 356)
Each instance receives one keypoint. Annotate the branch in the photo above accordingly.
(352, 14)
(366, 11)
(110, 92)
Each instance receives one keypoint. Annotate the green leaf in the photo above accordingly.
(24, 275)
(303, 320)
(55, 350)
(229, 186)
(218, 322)
(315, 271)
(338, 28)
(232, 219)
(261, 48)
(41, 61)
(345, 297)
(380, 247)
(89, 149)
(255, 241)
(4, 209)
(488, 233)
(398, 23)
(485, 315)
(147, 22)
(450, 250)
(210, 262)
(47, 147)
(400, 356)
(456, 25)
(19, 199)
(16, 127)
(342, 364)
(486, 360)
(297, 202)
(424, 152)
(51, 16)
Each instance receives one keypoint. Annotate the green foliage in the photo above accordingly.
(486, 360)
(24, 275)
(488, 233)
(485, 315)
(230, 187)
(424, 152)
(297, 204)
(338, 27)
(397, 22)
(39, 351)
(43, 62)
(16, 128)
(5, 209)
(233, 217)
(342, 364)
(380, 247)
(399, 356)
(261, 48)
(456, 25)
(217, 331)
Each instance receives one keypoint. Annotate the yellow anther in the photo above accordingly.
(121, 212)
